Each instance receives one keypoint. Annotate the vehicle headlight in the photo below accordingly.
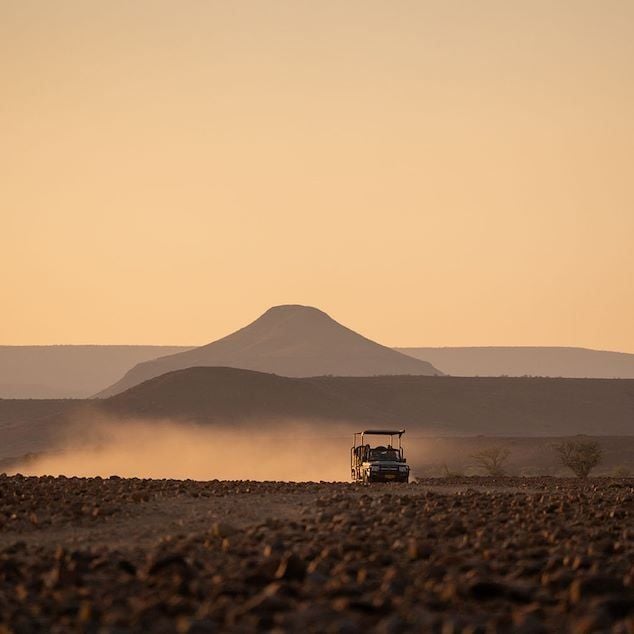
(403, 468)
(374, 467)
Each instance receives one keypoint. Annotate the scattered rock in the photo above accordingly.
(526, 555)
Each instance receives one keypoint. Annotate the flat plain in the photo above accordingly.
(439, 555)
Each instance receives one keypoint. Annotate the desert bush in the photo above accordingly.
(580, 456)
(492, 460)
(622, 472)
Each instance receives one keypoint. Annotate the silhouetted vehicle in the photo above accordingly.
(381, 463)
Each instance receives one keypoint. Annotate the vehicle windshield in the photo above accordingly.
(384, 453)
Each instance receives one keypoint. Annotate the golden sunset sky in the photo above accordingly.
(429, 172)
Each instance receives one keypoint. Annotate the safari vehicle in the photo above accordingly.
(381, 463)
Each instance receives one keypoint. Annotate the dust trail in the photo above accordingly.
(167, 449)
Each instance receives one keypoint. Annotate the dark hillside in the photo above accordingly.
(435, 405)
(229, 394)
(425, 405)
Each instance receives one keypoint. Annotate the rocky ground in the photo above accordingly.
(453, 555)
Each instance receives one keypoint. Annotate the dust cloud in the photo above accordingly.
(167, 449)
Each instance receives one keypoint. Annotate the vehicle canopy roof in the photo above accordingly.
(383, 432)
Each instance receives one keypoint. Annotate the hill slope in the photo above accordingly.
(223, 395)
(68, 371)
(293, 341)
(430, 405)
(528, 361)
(253, 401)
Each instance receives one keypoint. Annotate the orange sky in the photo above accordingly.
(428, 172)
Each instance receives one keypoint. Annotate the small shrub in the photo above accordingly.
(492, 460)
(580, 456)
(622, 472)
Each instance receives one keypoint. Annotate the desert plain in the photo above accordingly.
(437, 555)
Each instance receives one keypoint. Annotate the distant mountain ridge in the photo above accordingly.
(527, 361)
(68, 371)
(79, 371)
(289, 340)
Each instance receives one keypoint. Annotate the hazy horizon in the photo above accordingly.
(184, 346)
(430, 173)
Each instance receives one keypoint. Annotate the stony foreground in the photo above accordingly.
(460, 555)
